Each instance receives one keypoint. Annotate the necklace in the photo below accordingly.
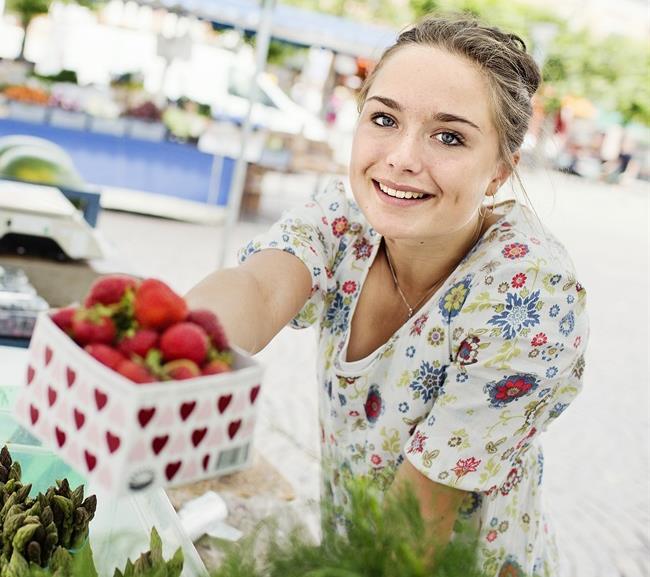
(415, 307)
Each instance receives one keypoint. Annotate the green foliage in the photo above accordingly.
(27, 10)
(379, 538)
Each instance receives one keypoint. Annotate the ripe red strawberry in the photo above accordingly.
(63, 318)
(88, 329)
(135, 372)
(139, 344)
(215, 367)
(184, 341)
(105, 354)
(181, 369)
(157, 306)
(110, 289)
(209, 322)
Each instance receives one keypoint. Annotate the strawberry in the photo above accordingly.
(142, 341)
(157, 306)
(184, 341)
(209, 322)
(215, 367)
(63, 318)
(109, 289)
(135, 372)
(181, 369)
(105, 354)
(88, 328)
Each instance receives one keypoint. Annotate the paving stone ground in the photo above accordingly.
(597, 455)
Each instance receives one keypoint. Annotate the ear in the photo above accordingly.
(502, 174)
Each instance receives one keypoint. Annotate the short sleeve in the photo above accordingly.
(311, 232)
(517, 340)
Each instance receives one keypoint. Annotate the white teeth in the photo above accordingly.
(399, 193)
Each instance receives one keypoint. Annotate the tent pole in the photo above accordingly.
(262, 40)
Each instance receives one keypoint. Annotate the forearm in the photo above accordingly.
(235, 297)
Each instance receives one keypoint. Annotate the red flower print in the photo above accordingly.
(518, 280)
(513, 388)
(418, 324)
(576, 342)
(530, 434)
(349, 287)
(515, 250)
(340, 226)
(373, 404)
(375, 460)
(492, 535)
(354, 413)
(417, 443)
(329, 273)
(324, 220)
(362, 249)
(539, 339)
(464, 466)
(579, 287)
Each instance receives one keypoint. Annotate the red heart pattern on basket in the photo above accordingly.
(91, 460)
(33, 414)
(51, 395)
(233, 428)
(223, 402)
(100, 399)
(113, 442)
(145, 415)
(48, 355)
(186, 409)
(158, 443)
(30, 374)
(254, 392)
(198, 435)
(60, 436)
(205, 462)
(79, 418)
(171, 469)
(70, 376)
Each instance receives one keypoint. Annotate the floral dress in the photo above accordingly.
(464, 388)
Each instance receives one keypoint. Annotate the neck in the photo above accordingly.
(421, 264)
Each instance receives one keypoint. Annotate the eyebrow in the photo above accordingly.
(439, 116)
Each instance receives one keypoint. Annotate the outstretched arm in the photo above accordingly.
(255, 300)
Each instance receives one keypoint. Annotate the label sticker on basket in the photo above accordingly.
(231, 457)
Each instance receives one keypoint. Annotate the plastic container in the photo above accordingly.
(121, 527)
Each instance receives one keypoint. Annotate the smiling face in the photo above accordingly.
(425, 131)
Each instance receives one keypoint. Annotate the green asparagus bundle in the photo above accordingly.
(151, 563)
(33, 529)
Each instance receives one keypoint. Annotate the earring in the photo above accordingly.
(487, 211)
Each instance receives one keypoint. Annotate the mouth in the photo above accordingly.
(400, 196)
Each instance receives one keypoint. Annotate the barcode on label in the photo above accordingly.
(232, 457)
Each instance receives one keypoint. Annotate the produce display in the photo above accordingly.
(32, 162)
(38, 531)
(145, 332)
(152, 564)
(27, 94)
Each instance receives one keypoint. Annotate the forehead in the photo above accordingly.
(426, 80)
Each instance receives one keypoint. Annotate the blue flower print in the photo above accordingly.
(551, 372)
(493, 522)
(328, 388)
(431, 421)
(557, 410)
(410, 351)
(556, 278)
(285, 237)
(461, 377)
(554, 311)
(334, 206)
(429, 382)
(337, 314)
(570, 299)
(540, 464)
(543, 392)
(567, 324)
(509, 389)
(342, 400)
(517, 314)
(551, 352)
(316, 270)
(403, 407)
(452, 301)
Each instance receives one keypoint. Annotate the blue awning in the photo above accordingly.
(292, 24)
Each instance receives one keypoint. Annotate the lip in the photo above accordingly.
(399, 201)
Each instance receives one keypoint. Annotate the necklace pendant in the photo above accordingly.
(410, 312)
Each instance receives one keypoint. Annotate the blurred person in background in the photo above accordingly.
(452, 328)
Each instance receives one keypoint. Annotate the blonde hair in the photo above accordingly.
(512, 74)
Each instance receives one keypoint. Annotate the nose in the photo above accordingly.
(404, 154)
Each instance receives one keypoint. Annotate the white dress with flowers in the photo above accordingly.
(464, 388)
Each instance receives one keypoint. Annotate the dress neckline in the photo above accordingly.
(355, 368)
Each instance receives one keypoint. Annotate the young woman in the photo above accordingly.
(451, 329)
